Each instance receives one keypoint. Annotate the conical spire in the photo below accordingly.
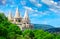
(17, 14)
(10, 16)
(26, 15)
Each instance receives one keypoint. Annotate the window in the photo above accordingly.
(27, 23)
(18, 20)
(24, 23)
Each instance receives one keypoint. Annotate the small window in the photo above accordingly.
(27, 23)
(18, 20)
(24, 23)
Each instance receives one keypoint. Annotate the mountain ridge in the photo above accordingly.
(53, 30)
(42, 26)
(48, 28)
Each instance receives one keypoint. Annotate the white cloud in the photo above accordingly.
(53, 2)
(32, 11)
(23, 2)
(46, 1)
(55, 10)
(36, 10)
(29, 8)
(41, 14)
(35, 14)
(53, 6)
(58, 5)
(4, 1)
(37, 4)
(44, 13)
(49, 2)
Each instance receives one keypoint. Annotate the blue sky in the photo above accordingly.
(40, 11)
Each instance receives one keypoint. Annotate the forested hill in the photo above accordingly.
(12, 31)
(54, 30)
(42, 26)
(7, 29)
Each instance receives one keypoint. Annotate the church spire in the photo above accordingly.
(10, 16)
(26, 17)
(17, 14)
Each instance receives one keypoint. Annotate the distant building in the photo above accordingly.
(23, 23)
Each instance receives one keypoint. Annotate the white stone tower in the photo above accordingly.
(26, 18)
(26, 21)
(10, 18)
(17, 17)
(17, 14)
(22, 23)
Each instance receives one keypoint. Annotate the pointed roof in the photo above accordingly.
(10, 15)
(17, 14)
(26, 15)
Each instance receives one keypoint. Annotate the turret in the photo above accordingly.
(10, 16)
(26, 17)
(17, 17)
(17, 14)
(26, 21)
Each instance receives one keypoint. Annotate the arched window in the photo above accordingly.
(19, 20)
(24, 23)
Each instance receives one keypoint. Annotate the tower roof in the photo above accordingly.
(10, 15)
(17, 14)
(26, 15)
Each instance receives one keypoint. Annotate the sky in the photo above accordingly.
(40, 11)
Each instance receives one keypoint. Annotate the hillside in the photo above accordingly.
(53, 30)
(42, 26)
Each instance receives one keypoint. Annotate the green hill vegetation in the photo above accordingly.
(12, 31)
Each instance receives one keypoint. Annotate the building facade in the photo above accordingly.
(23, 23)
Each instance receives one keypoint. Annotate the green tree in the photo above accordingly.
(19, 36)
(2, 37)
(28, 34)
(7, 29)
(58, 36)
